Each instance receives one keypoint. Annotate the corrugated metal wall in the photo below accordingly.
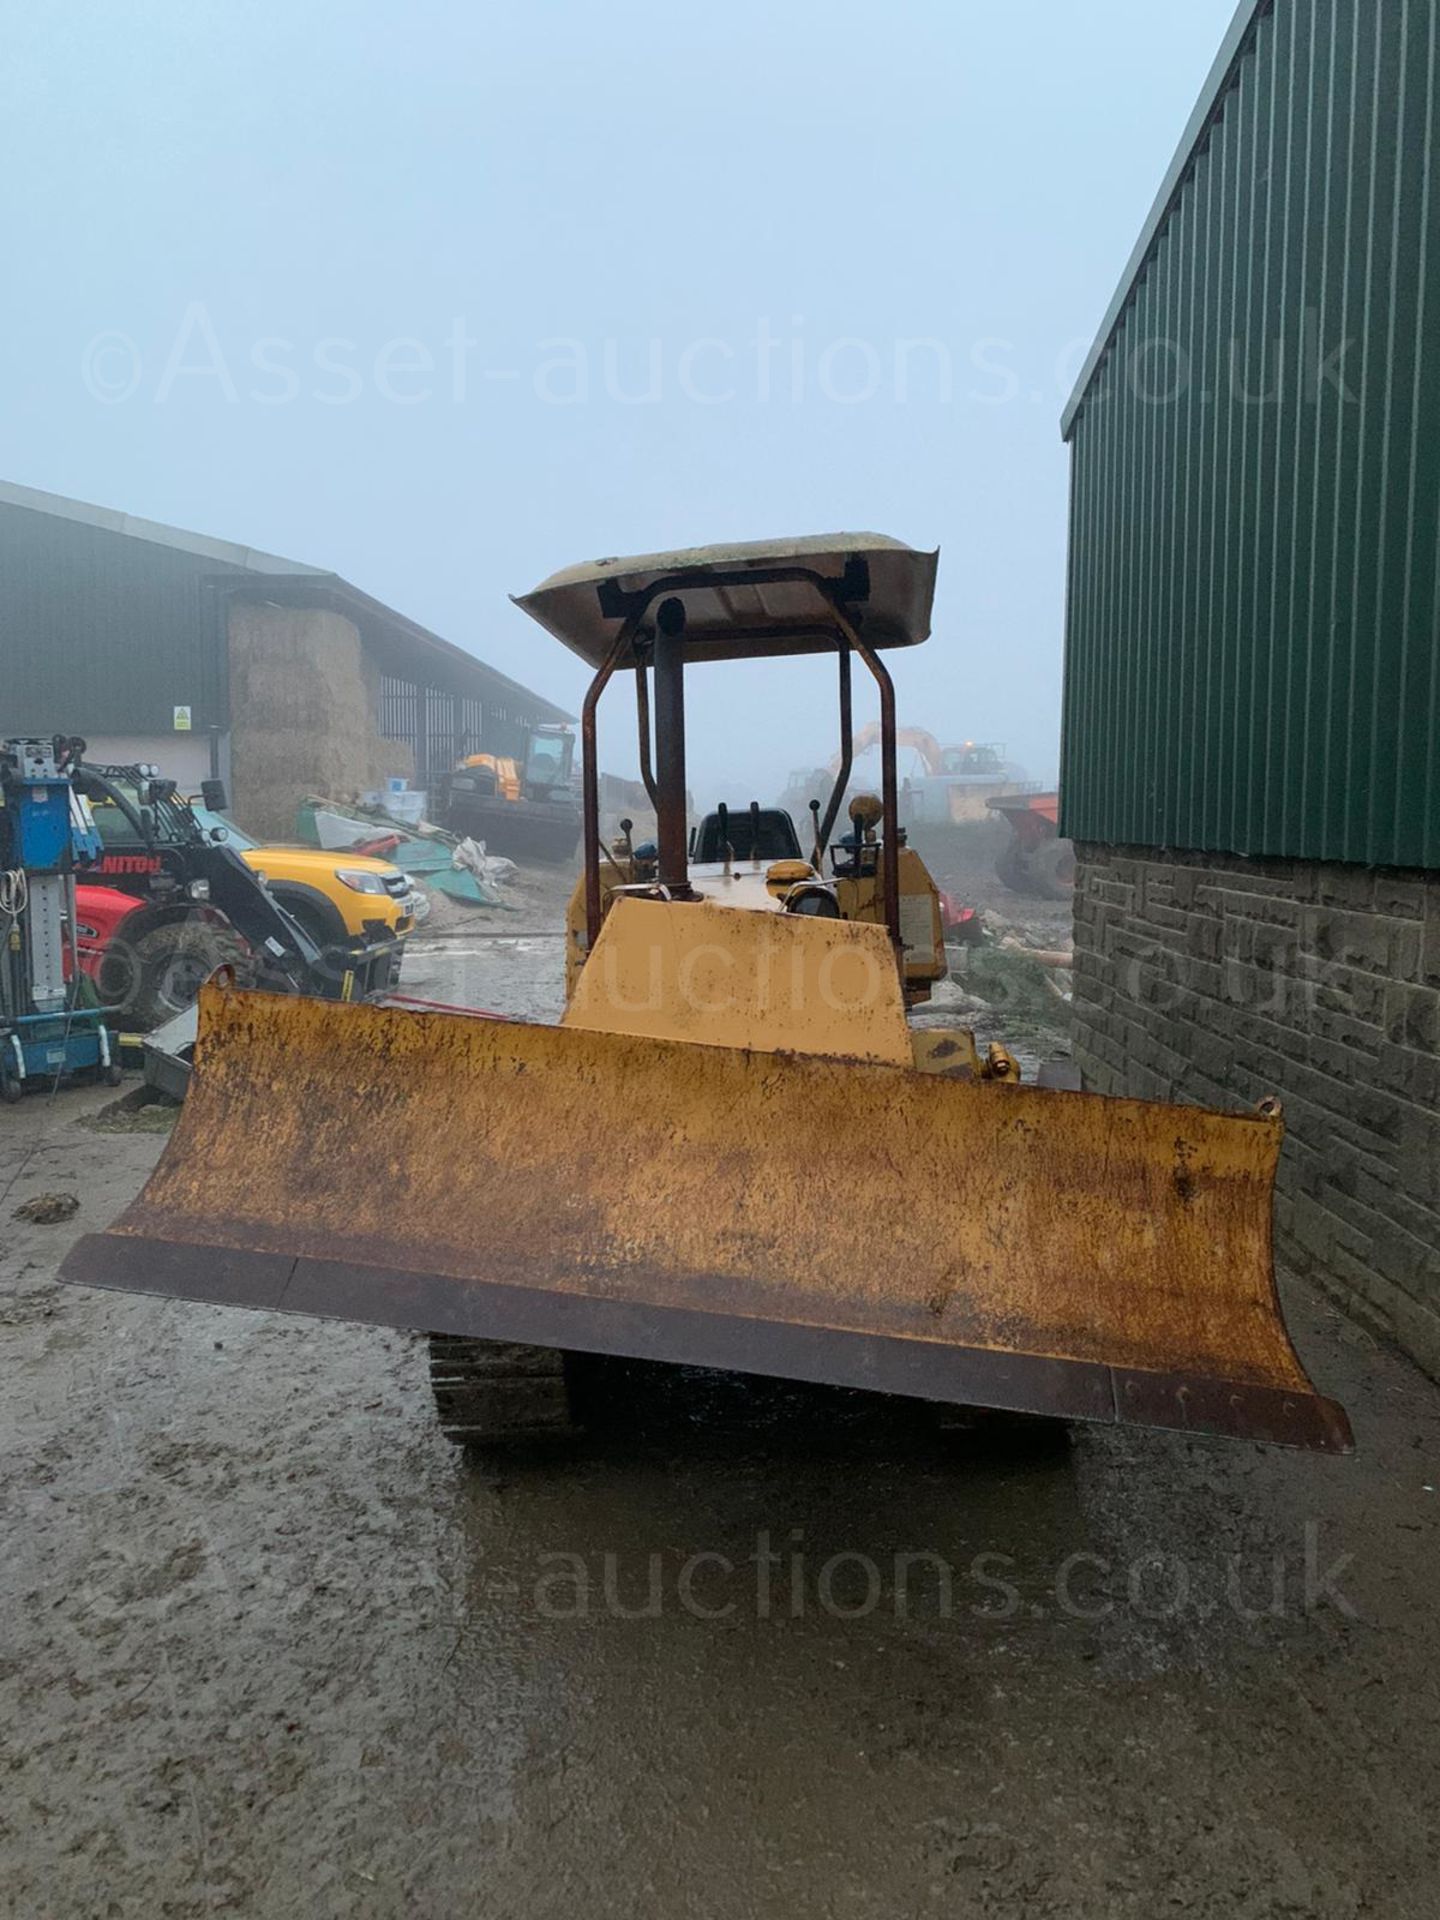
(101, 633)
(1253, 636)
(105, 633)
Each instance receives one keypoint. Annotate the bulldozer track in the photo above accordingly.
(495, 1392)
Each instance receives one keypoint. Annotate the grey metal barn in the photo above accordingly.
(206, 657)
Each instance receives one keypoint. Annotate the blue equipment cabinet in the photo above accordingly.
(46, 831)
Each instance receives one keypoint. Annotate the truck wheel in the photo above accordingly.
(12, 1091)
(173, 962)
(1052, 870)
(497, 1393)
(1012, 869)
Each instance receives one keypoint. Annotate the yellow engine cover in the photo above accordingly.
(771, 982)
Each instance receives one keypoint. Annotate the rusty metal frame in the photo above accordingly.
(889, 784)
(825, 827)
(590, 774)
(671, 834)
(642, 721)
(633, 607)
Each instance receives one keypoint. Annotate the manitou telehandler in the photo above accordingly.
(733, 1150)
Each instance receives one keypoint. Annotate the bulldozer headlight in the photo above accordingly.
(199, 889)
(359, 880)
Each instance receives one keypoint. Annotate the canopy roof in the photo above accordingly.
(736, 607)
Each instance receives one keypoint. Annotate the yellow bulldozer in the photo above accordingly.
(734, 1150)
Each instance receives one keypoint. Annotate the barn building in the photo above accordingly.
(204, 658)
(1251, 757)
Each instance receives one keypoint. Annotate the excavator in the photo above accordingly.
(952, 788)
(734, 1150)
(522, 807)
(981, 763)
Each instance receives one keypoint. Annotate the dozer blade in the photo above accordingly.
(818, 1218)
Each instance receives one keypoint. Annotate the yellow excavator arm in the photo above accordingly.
(871, 735)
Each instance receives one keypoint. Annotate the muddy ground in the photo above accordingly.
(268, 1647)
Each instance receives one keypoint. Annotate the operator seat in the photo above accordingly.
(767, 835)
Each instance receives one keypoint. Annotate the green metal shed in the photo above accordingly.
(1252, 662)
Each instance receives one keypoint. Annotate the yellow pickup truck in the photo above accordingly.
(338, 898)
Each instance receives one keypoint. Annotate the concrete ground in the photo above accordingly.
(267, 1646)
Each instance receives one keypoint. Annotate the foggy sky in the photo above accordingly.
(445, 297)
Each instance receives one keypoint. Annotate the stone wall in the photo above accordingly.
(1218, 979)
(304, 707)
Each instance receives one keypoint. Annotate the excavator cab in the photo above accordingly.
(668, 1172)
(548, 755)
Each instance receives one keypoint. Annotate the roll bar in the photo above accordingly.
(643, 638)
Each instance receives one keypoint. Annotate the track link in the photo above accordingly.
(495, 1393)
